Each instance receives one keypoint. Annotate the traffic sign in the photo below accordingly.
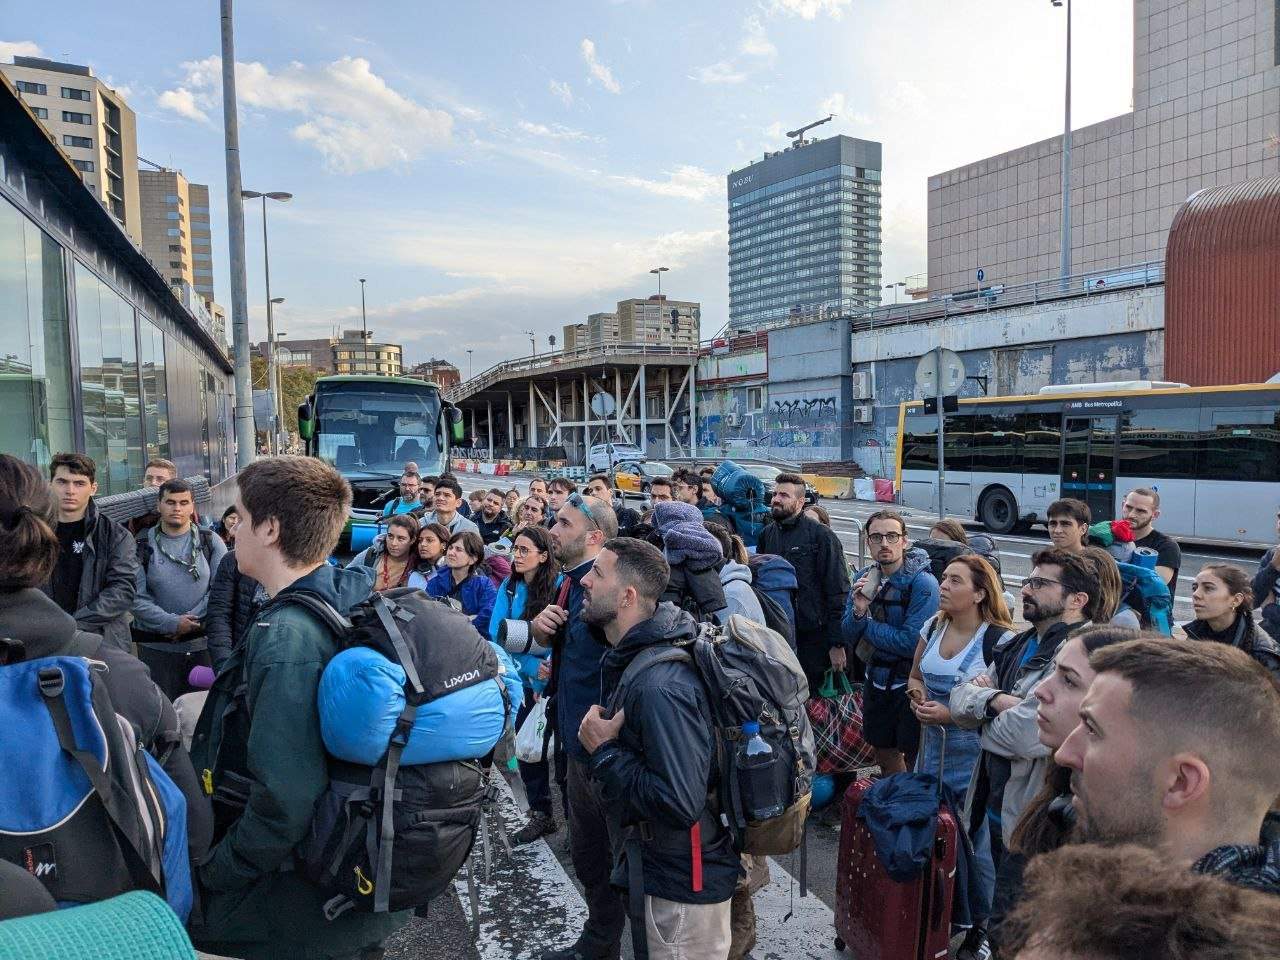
(982, 274)
(928, 381)
(603, 405)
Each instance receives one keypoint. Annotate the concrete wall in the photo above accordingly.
(1206, 113)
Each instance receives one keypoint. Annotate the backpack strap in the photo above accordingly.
(206, 547)
(990, 637)
(642, 661)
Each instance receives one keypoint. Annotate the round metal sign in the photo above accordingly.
(930, 383)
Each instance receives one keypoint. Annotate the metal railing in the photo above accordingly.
(549, 361)
(990, 297)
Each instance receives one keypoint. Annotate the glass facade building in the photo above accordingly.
(804, 232)
(97, 355)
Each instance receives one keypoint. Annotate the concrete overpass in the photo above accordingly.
(545, 400)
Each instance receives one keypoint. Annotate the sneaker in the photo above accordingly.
(540, 825)
(976, 946)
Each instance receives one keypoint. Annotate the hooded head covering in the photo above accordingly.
(685, 538)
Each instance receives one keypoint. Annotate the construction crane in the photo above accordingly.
(799, 140)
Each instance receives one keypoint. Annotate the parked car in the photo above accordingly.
(634, 476)
(603, 457)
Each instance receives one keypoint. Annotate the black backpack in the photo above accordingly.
(387, 837)
(941, 552)
(146, 553)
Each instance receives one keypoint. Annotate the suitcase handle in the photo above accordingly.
(939, 890)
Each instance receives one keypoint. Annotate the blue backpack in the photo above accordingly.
(1148, 595)
(773, 580)
(83, 807)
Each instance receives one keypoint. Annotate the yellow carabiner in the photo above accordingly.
(364, 886)
(206, 779)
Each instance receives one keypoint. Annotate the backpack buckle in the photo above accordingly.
(52, 682)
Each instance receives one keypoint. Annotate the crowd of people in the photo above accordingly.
(1084, 730)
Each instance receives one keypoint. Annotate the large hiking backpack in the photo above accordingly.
(83, 807)
(941, 552)
(750, 674)
(773, 580)
(391, 835)
(1148, 595)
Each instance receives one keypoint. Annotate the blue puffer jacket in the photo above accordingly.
(892, 625)
(509, 605)
(476, 594)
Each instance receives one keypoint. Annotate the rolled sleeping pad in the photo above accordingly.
(362, 535)
(361, 696)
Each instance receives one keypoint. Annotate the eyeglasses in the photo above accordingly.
(1038, 583)
(884, 537)
(522, 551)
(577, 500)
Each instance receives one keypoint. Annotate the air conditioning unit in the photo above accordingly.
(733, 419)
(861, 386)
(863, 413)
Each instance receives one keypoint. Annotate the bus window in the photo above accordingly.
(1241, 443)
(957, 440)
(920, 442)
(997, 442)
(1160, 443)
(1042, 441)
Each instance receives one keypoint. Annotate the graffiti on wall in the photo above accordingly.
(804, 421)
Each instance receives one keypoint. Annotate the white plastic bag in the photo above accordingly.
(529, 736)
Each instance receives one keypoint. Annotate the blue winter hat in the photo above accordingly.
(683, 534)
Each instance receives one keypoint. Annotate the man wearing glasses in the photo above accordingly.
(582, 526)
(1001, 702)
(890, 603)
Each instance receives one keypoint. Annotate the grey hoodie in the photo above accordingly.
(739, 597)
(166, 590)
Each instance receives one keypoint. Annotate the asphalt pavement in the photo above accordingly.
(531, 900)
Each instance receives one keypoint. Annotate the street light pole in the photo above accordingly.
(469, 352)
(1066, 156)
(273, 383)
(659, 271)
(245, 440)
(364, 328)
(533, 341)
(273, 375)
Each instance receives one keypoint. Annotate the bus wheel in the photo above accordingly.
(998, 511)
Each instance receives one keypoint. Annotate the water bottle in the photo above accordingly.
(757, 775)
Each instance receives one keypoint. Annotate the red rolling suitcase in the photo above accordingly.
(877, 917)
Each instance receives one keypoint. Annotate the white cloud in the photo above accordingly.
(599, 71)
(686, 182)
(833, 104)
(811, 9)
(720, 72)
(755, 42)
(19, 48)
(562, 91)
(353, 118)
(556, 131)
(182, 102)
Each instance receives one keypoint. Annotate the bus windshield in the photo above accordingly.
(376, 428)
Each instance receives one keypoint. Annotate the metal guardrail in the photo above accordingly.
(961, 302)
(550, 361)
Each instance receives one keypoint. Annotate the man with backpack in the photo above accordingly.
(814, 551)
(93, 579)
(892, 600)
(258, 745)
(652, 754)
(583, 525)
(176, 562)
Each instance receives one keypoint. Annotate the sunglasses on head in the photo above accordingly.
(577, 500)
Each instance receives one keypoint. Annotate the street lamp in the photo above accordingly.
(533, 341)
(282, 197)
(273, 376)
(364, 329)
(659, 271)
(1066, 155)
(894, 287)
(469, 353)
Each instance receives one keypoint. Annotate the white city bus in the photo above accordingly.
(1213, 453)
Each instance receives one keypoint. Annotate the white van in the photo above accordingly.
(603, 457)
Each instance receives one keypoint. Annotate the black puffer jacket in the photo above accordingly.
(1244, 635)
(660, 769)
(46, 631)
(230, 611)
(815, 552)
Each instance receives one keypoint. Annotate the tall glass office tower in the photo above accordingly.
(804, 232)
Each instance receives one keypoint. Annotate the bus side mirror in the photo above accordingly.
(306, 425)
(454, 416)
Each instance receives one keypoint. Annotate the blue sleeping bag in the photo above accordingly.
(736, 487)
(362, 693)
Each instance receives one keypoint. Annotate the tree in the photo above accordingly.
(296, 384)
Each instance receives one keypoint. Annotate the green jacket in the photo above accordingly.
(254, 904)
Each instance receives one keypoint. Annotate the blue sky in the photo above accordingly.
(498, 167)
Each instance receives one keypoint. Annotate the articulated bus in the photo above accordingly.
(369, 426)
(1213, 453)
